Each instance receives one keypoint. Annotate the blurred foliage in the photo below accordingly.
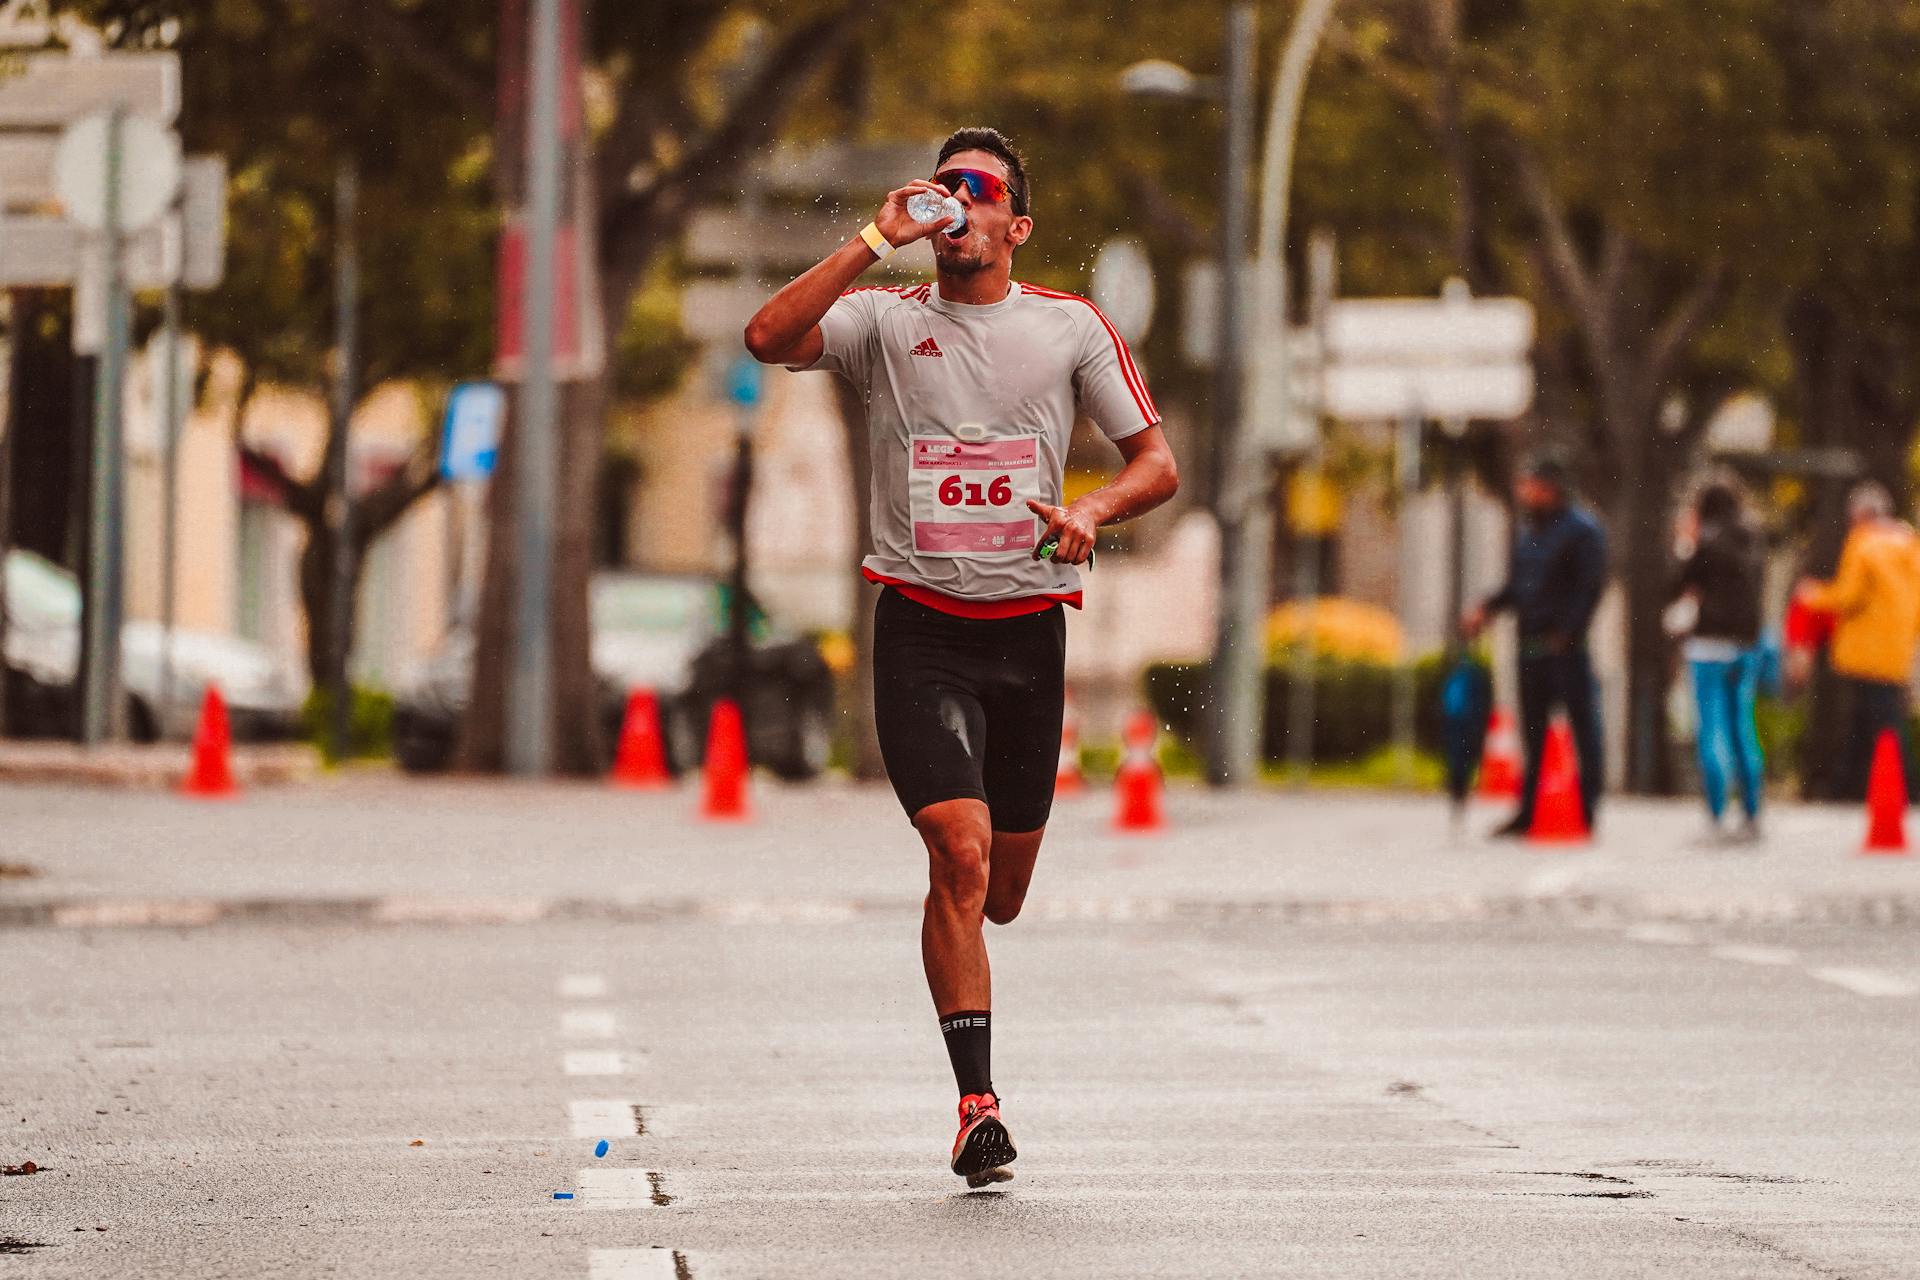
(1337, 628)
(1353, 705)
(369, 724)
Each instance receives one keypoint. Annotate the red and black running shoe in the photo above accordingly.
(984, 1147)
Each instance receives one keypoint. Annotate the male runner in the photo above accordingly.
(972, 386)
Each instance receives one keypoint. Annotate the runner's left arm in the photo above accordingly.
(1108, 386)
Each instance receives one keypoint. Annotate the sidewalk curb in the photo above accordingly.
(1875, 910)
(155, 767)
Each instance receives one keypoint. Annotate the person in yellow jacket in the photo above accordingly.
(1875, 602)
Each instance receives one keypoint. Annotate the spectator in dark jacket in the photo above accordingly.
(1720, 575)
(1558, 572)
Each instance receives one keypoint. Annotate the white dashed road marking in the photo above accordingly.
(1667, 934)
(637, 1264)
(587, 1024)
(583, 986)
(595, 1062)
(603, 1188)
(610, 1118)
(1868, 982)
(1755, 955)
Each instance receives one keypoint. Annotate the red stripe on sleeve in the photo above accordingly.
(1129, 372)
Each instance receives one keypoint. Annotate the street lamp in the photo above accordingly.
(1242, 465)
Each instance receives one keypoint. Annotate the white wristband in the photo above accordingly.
(877, 242)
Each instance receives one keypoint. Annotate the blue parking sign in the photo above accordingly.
(470, 432)
(743, 381)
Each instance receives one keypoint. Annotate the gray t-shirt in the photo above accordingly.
(969, 413)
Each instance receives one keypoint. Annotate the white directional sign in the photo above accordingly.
(1363, 391)
(1436, 329)
(50, 89)
(1452, 357)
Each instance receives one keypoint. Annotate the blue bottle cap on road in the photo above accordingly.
(600, 1150)
(563, 1195)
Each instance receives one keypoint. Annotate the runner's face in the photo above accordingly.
(993, 231)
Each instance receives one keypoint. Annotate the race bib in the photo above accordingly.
(969, 498)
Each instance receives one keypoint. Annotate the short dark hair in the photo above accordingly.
(992, 141)
(1551, 466)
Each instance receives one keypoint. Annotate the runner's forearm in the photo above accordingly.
(791, 313)
(1148, 480)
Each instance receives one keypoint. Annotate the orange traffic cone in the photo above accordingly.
(1138, 784)
(641, 762)
(1067, 778)
(725, 797)
(211, 774)
(1500, 765)
(1886, 798)
(1558, 817)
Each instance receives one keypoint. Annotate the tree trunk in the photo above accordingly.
(1643, 510)
(857, 702)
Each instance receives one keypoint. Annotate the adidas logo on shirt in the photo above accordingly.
(928, 348)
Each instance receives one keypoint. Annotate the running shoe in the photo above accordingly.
(984, 1147)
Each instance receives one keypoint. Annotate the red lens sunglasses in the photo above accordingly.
(979, 183)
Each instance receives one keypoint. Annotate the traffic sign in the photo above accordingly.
(1399, 329)
(1123, 287)
(1386, 390)
(50, 89)
(470, 431)
(149, 163)
(1452, 357)
(743, 381)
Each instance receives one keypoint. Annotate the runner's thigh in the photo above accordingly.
(927, 712)
(1024, 705)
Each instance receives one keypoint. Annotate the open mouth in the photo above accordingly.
(955, 235)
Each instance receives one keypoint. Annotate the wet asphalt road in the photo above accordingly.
(1470, 1099)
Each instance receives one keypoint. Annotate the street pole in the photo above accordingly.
(8, 346)
(1322, 280)
(1233, 754)
(529, 745)
(171, 416)
(102, 709)
(737, 517)
(1455, 431)
(1407, 474)
(1246, 497)
(346, 313)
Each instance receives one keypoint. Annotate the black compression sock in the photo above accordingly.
(969, 1037)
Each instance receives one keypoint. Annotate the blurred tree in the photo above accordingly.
(680, 96)
(286, 91)
(1658, 177)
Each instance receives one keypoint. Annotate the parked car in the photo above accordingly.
(263, 693)
(661, 632)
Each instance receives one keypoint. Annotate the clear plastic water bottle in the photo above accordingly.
(924, 206)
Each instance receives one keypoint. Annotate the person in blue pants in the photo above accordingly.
(1720, 572)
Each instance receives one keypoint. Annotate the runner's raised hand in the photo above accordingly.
(899, 226)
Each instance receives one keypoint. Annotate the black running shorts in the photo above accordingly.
(970, 707)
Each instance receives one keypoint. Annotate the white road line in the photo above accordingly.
(637, 1264)
(587, 1024)
(1868, 982)
(604, 1188)
(583, 986)
(594, 1062)
(1755, 955)
(1671, 935)
(610, 1118)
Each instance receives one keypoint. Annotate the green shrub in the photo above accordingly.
(1353, 705)
(369, 723)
